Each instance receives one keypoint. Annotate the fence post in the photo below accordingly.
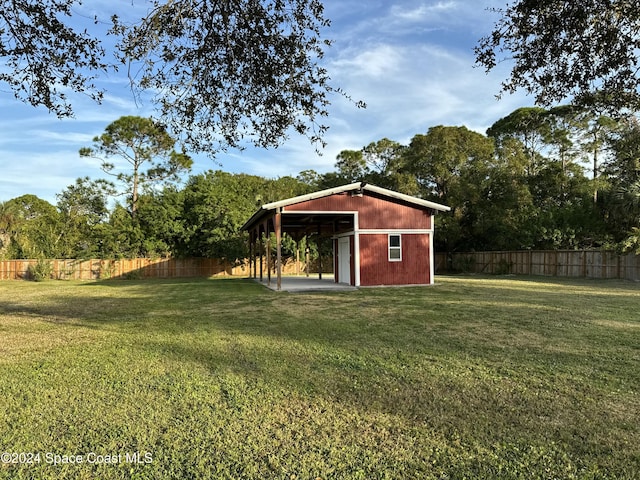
(589, 262)
(618, 269)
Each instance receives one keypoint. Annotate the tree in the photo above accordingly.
(564, 122)
(33, 228)
(44, 55)
(383, 156)
(221, 72)
(121, 236)
(160, 217)
(622, 200)
(216, 205)
(386, 166)
(438, 158)
(596, 129)
(234, 70)
(351, 166)
(527, 124)
(451, 165)
(141, 142)
(83, 206)
(8, 224)
(565, 215)
(581, 49)
(310, 177)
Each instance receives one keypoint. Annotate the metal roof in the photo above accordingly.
(344, 188)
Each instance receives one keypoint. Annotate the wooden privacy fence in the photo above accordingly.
(557, 263)
(131, 268)
(96, 269)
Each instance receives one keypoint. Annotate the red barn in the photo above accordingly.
(380, 237)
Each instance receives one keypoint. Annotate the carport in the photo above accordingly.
(379, 237)
(298, 225)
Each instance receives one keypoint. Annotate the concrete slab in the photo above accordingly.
(304, 284)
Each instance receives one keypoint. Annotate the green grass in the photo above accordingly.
(516, 378)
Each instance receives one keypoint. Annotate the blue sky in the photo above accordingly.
(411, 61)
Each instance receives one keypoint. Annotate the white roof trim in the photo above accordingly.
(310, 196)
(356, 186)
(342, 189)
(407, 198)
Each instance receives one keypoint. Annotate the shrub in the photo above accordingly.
(41, 271)
(503, 267)
(464, 264)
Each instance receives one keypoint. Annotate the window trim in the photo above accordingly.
(393, 248)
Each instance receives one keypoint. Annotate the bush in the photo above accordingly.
(464, 264)
(503, 267)
(41, 271)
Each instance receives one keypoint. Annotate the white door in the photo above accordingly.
(344, 260)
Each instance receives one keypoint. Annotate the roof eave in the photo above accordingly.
(407, 198)
(312, 196)
(344, 188)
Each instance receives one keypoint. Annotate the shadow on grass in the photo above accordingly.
(502, 324)
(466, 359)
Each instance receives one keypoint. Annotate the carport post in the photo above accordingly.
(319, 255)
(278, 228)
(252, 259)
(268, 233)
(306, 257)
(260, 251)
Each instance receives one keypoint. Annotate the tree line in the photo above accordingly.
(559, 178)
(225, 73)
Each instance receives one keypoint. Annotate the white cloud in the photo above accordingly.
(60, 138)
(423, 11)
(380, 61)
(411, 61)
(42, 173)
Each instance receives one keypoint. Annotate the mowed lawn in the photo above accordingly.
(476, 377)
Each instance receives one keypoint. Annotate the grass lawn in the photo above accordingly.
(476, 377)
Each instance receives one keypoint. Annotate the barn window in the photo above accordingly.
(395, 248)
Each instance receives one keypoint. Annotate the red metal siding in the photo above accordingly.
(376, 269)
(374, 212)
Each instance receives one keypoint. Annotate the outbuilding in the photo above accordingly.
(379, 236)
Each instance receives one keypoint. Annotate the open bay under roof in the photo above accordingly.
(334, 212)
(269, 209)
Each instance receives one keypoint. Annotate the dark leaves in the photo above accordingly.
(234, 71)
(224, 73)
(45, 56)
(587, 49)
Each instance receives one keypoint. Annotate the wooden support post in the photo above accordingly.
(297, 258)
(260, 253)
(268, 255)
(256, 247)
(255, 255)
(249, 257)
(252, 251)
(278, 228)
(319, 255)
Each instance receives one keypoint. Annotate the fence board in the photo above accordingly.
(562, 263)
(558, 263)
(95, 269)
